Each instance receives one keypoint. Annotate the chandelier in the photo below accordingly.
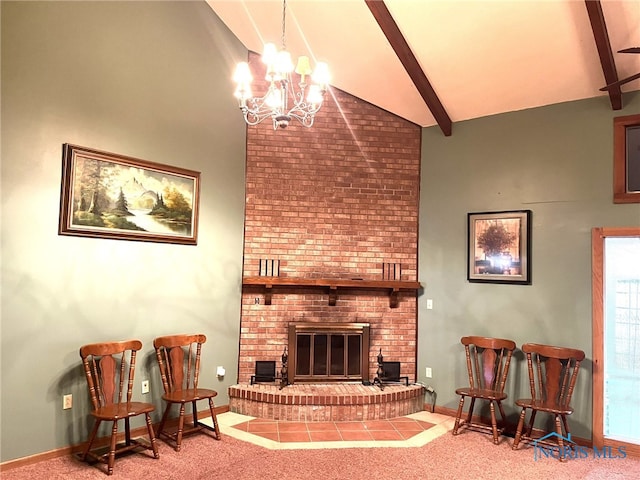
(287, 96)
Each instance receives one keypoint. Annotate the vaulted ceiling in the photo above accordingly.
(437, 62)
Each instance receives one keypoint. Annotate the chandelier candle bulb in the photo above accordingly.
(303, 68)
(242, 73)
(321, 75)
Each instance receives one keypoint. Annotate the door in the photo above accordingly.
(616, 338)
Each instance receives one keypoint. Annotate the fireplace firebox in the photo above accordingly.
(328, 352)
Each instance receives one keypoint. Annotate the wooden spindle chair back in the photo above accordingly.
(553, 373)
(109, 370)
(488, 361)
(179, 363)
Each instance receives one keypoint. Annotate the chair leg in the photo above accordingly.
(458, 415)
(194, 413)
(152, 437)
(566, 425)
(112, 448)
(531, 422)
(502, 414)
(180, 428)
(503, 417)
(561, 452)
(516, 440)
(470, 412)
(165, 415)
(91, 438)
(494, 425)
(127, 432)
(214, 419)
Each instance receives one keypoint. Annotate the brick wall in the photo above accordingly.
(333, 201)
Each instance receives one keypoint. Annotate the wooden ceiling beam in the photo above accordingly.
(407, 58)
(601, 36)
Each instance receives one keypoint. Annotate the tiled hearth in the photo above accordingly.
(394, 429)
(326, 402)
(413, 430)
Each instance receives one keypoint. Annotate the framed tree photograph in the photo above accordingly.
(499, 247)
(105, 195)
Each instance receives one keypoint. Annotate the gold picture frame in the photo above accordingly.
(106, 195)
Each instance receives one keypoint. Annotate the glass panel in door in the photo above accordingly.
(621, 393)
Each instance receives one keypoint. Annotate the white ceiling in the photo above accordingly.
(481, 57)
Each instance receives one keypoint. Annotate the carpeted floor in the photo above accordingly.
(470, 455)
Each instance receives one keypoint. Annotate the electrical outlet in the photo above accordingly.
(427, 372)
(145, 386)
(67, 401)
(429, 304)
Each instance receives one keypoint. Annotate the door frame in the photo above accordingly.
(598, 236)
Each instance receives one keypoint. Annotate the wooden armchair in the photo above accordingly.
(553, 372)
(488, 362)
(109, 369)
(179, 361)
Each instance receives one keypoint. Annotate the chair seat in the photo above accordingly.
(189, 395)
(122, 410)
(481, 393)
(550, 407)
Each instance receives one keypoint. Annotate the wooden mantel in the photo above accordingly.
(393, 287)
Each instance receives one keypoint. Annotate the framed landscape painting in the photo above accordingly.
(499, 247)
(106, 195)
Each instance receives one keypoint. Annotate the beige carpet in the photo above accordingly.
(469, 455)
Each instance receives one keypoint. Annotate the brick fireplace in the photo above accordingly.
(329, 206)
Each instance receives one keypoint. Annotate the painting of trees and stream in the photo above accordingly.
(109, 195)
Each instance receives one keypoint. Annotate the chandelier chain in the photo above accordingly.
(284, 13)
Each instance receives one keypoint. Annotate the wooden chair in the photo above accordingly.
(179, 361)
(109, 368)
(553, 372)
(488, 362)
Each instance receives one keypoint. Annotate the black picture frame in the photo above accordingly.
(499, 247)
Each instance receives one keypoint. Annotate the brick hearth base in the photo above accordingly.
(324, 402)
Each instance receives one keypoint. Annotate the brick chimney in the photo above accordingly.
(336, 201)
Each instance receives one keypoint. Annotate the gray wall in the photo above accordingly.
(556, 161)
(150, 80)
